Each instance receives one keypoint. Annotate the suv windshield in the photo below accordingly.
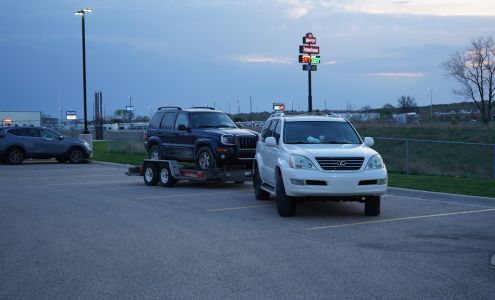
(211, 119)
(320, 132)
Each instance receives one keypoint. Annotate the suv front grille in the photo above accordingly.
(340, 163)
(246, 142)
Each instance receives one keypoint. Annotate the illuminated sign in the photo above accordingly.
(7, 122)
(309, 40)
(309, 49)
(278, 106)
(70, 115)
(129, 108)
(309, 68)
(306, 59)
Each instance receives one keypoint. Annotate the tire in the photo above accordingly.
(286, 205)
(165, 177)
(61, 160)
(372, 206)
(75, 155)
(150, 174)
(259, 193)
(14, 156)
(155, 153)
(205, 159)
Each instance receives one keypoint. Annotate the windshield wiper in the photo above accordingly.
(207, 126)
(336, 142)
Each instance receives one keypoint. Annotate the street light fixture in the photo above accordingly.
(82, 13)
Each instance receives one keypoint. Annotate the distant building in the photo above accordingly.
(20, 118)
(407, 118)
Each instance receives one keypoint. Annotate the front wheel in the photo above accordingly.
(286, 205)
(205, 159)
(76, 155)
(372, 206)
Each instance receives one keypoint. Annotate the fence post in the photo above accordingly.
(407, 156)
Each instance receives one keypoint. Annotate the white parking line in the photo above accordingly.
(192, 194)
(403, 219)
(440, 201)
(241, 207)
(65, 177)
(109, 190)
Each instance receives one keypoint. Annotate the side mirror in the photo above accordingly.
(271, 142)
(369, 141)
(182, 127)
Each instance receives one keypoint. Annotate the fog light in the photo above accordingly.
(382, 181)
(297, 181)
(222, 156)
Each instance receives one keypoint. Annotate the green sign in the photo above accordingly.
(315, 59)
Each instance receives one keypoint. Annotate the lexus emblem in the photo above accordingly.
(341, 163)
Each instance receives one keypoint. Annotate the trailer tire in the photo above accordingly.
(372, 206)
(165, 177)
(150, 174)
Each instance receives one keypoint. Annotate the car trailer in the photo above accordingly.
(168, 172)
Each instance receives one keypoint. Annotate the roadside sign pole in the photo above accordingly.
(310, 96)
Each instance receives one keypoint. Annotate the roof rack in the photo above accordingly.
(277, 114)
(165, 107)
(203, 107)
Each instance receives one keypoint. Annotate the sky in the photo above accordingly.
(194, 52)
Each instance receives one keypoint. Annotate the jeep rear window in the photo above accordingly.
(212, 120)
(320, 132)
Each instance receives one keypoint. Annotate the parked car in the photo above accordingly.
(19, 143)
(206, 136)
(317, 157)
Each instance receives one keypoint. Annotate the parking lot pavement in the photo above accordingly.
(89, 231)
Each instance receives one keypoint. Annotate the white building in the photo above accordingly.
(20, 118)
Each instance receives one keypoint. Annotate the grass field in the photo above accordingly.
(446, 184)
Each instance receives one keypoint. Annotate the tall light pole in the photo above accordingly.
(431, 103)
(82, 13)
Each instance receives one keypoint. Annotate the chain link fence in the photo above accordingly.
(429, 157)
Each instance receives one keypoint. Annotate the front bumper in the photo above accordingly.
(301, 183)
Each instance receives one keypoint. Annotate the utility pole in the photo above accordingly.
(431, 103)
(229, 107)
(325, 101)
(238, 107)
(250, 106)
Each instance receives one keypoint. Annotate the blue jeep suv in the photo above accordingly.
(202, 135)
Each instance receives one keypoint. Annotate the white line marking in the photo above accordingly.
(187, 195)
(241, 207)
(440, 201)
(403, 219)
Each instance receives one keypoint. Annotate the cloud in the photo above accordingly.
(297, 8)
(332, 62)
(264, 59)
(397, 74)
(417, 7)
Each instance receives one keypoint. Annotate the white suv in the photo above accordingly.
(318, 157)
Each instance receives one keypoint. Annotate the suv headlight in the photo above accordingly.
(301, 162)
(375, 162)
(87, 144)
(228, 139)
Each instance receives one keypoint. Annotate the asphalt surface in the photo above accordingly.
(88, 232)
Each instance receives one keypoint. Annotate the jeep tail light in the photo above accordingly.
(145, 135)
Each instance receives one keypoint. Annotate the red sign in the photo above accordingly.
(304, 58)
(309, 40)
(309, 49)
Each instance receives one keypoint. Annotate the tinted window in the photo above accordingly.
(182, 119)
(276, 132)
(264, 131)
(30, 132)
(155, 122)
(169, 120)
(211, 119)
(320, 132)
(49, 134)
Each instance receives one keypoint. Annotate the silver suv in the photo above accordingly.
(321, 157)
(18, 143)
